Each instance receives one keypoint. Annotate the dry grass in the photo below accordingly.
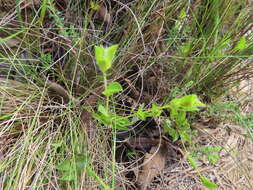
(167, 49)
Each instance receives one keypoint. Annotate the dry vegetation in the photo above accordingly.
(50, 86)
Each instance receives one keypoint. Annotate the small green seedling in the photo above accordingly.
(104, 58)
(111, 119)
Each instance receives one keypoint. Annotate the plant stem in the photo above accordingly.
(114, 136)
(99, 180)
(113, 158)
(43, 11)
(107, 97)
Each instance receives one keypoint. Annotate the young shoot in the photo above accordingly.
(104, 59)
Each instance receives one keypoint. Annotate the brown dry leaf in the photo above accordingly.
(11, 43)
(103, 14)
(154, 163)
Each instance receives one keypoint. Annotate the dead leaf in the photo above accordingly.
(60, 91)
(103, 14)
(12, 42)
(154, 163)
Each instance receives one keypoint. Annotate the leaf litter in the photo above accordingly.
(154, 164)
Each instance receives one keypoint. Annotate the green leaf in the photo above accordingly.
(111, 51)
(169, 130)
(185, 136)
(91, 172)
(94, 6)
(175, 103)
(120, 123)
(186, 103)
(77, 162)
(99, 55)
(217, 148)
(141, 114)
(110, 119)
(207, 183)
(189, 84)
(242, 44)
(68, 176)
(213, 158)
(66, 165)
(190, 101)
(104, 56)
(181, 117)
(113, 88)
(185, 49)
(81, 161)
(3, 40)
(56, 144)
(182, 14)
(103, 119)
(102, 116)
(102, 110)
(210, 149)
(155, 110)
(6, 116)
(131, 154)
(192, 161)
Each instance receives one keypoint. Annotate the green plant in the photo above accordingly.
(205, 181)
(244, 120)
(43, 11)
(94, 5)
(176, 125)
(178, 108)
(230, 111)
(211, 153)
(72, 166)
(206, 42)
(104, 58)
